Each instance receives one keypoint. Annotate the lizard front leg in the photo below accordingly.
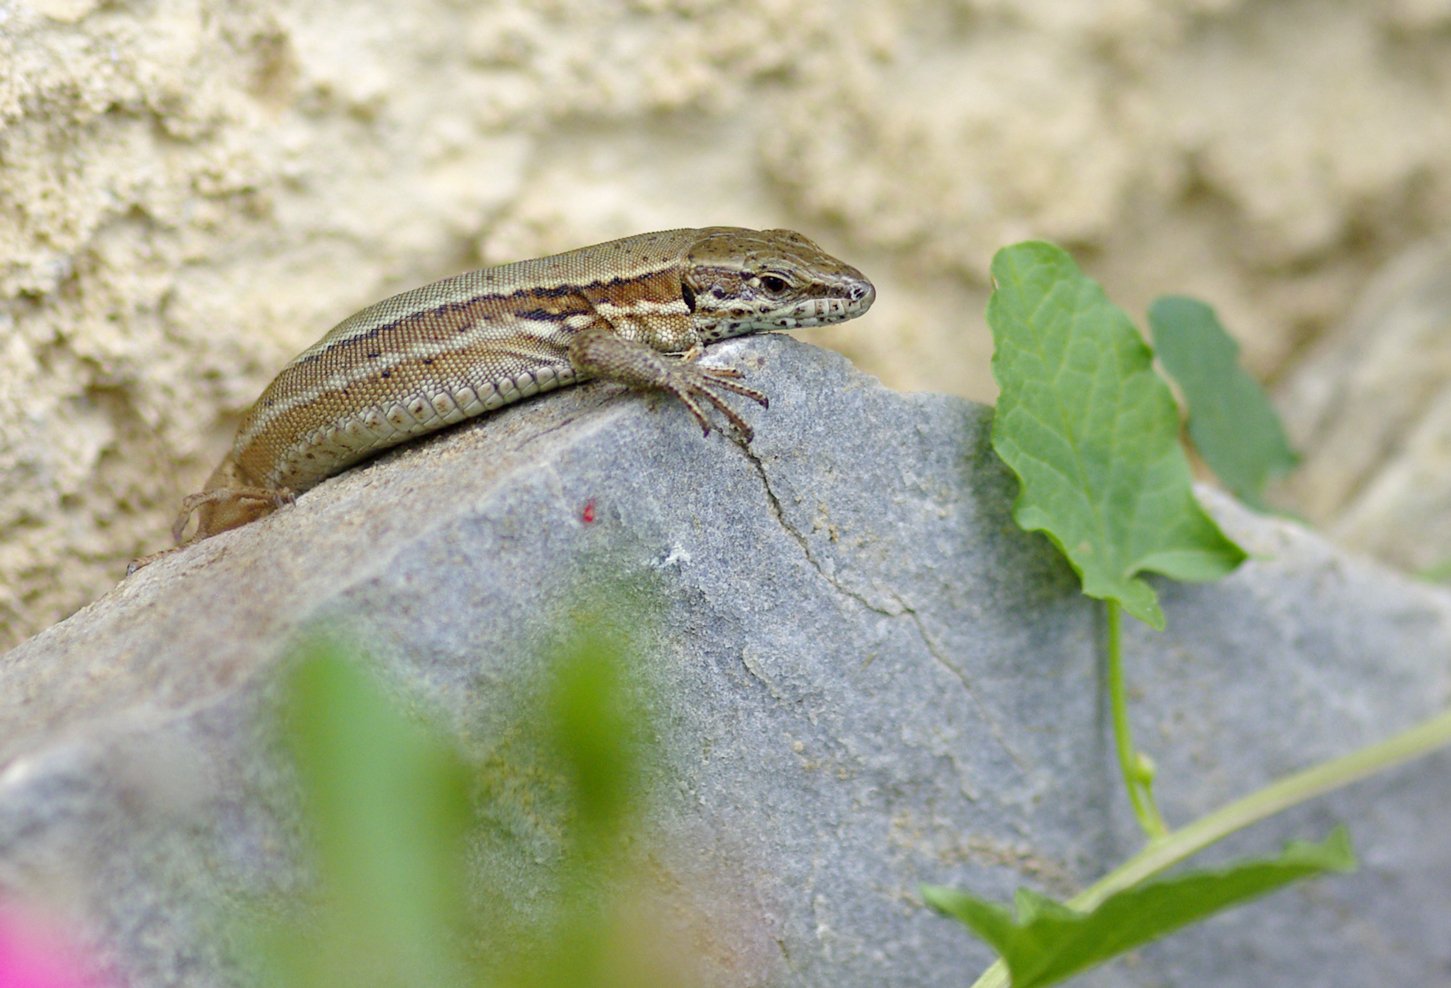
(597, 351)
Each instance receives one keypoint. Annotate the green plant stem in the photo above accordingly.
(1301, 787)
(1137, 781)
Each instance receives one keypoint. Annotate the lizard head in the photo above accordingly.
(738, 281)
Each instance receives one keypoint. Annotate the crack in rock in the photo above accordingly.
(994, 727)
(780, 515)
(903, 610)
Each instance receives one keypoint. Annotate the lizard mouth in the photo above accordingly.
(857, 298)
(860, 295)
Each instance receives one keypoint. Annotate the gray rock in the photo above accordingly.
(871, 680)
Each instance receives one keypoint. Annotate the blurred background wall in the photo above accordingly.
(191, 192)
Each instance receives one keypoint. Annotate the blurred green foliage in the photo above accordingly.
(414, 880)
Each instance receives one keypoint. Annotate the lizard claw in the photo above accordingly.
(690, 383)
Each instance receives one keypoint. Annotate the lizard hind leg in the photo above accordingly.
(221, 508)
(231, 498)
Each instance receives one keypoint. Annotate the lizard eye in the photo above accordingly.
(774, 284)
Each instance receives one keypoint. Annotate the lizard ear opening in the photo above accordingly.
(688, 294)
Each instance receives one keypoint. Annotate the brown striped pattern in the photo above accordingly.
(439, 354)
(436, 355)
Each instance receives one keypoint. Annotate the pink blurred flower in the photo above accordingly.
(35, 956)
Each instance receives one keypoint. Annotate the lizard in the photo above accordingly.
(637, 311)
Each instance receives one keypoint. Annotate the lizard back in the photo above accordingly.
(454, 349)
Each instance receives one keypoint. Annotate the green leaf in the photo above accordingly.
(1092, 433)
(1231, 421)
(1049, 941)
(1439, 572)
(570, 784)
(595, 723)
(527, 868)
(386, 801)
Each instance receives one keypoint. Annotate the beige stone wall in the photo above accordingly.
(190, 192)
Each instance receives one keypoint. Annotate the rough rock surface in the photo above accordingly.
(1371, 406)
(191, 192)
(872, 680)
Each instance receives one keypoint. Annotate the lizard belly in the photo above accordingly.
(334, 439)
